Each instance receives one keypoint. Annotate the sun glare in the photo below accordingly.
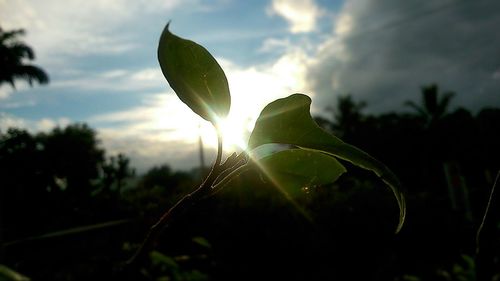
(234, 134)
(251, 90)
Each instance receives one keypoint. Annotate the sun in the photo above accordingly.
(234, 134)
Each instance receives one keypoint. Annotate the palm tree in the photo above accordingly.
(348, 115)
(13, 56)
(434, 106)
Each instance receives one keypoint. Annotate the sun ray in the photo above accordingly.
(275, 183)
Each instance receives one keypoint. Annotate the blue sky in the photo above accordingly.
(101, 58)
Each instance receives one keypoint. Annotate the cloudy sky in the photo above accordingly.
(101, 58)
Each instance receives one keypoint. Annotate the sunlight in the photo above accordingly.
(275, 183)
(251, 90)
(234, 134)
(173, 121)
(162, 120)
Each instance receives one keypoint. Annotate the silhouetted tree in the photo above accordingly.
(488, 122)
(347, 116)
(13, 56)
(22, 180)
(434, 106)
(115, 171)
(74, 156)
(163, 177)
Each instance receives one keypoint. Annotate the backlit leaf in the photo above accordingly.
(294, 170)
(289, 121)
(195, 76)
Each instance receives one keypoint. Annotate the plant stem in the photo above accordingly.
(487, 235)
(218, 159)
(226, 178)
(182, 205)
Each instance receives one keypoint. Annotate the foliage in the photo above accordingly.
(195, 76)
(324, 232)
(13, 54)
(116, 170)
(60, 170)
(7, 274)
(348, 116)
(86, 159)
(433, 106)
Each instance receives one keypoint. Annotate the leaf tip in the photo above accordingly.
(166, 30)
(402, 213)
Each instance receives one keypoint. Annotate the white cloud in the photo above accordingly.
(80, 27)
(302, 15)
(47, 124)
(114, 80)
(152, 74)
(17, 104)
(5, 92)
(343, 24)
(145, 153)
(159, 130)
(7, 121)
(275, 45)
(41, 125)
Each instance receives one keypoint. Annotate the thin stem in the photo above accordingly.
(159, 226)
(481, 226)
(486, 236)
(181, 205)
(219, 147)
(230, 165)
(225, 180)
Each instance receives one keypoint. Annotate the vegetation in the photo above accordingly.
(69, 211)
(13, 56)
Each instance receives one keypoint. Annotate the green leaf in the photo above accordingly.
(294, 170)
(158, 258)
(7, 274)
(289, 121)
(202, 241)
(195, 76)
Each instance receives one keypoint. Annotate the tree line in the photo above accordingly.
(446, 159)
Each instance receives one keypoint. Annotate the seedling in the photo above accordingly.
(199, 81)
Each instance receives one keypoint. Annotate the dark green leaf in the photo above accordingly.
(289, 121)
(202, 241)
(158, 258)
(7, 274)
(294, 170)
(195, 76)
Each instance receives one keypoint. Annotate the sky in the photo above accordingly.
(101, 59)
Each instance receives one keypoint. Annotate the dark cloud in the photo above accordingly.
(395, 47)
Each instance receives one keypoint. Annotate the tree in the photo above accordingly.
(73, 155)
(13, 56)
(116, 170)
(347, 116)
(434, 106)
(20, 173)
